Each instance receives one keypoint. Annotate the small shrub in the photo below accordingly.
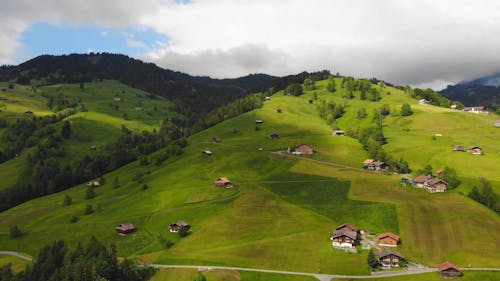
(15, 231)
(145, 186)
(74, 219)
(67, 201)
(89, 194)
(88, 210)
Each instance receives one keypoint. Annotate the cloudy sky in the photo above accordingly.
(424, 43)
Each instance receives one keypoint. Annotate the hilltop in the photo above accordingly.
(284, 207)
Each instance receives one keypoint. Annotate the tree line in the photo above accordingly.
(93, 261)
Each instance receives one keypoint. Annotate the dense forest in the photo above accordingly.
(474, 95)
(93, 261)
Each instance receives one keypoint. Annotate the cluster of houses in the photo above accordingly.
(429, 183)
(474, 150)
(347, 237)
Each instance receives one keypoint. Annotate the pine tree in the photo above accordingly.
(66, 130)
(67, 201)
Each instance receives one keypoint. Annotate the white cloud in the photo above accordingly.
(402, 41)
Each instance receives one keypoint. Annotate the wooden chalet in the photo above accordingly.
(266, 98)
(389, 258)
(206, 153)
(274, 136)
(125, 228)
(258, 121)
(454, 106)
(303, 149)
(420, 181)
(388, 239)
(223, 182)
(178, 226)
(459, 148)
(216, 140)
(375, 165)
(338, 133)
(94, 183)
(423, 101)
(449, 270)
(475, 150)
(474, 109)
(436, 185)
(344, 236)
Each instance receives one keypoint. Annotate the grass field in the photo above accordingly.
(225, 275)
(282, 214)
(17, 264)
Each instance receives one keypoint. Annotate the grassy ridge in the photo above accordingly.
(285, 208)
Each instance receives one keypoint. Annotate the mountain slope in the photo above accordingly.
(481, 91)
(286, 207)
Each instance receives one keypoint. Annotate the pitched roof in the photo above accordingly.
(474, 147)
(432, 182)
(459, 147)
(388, 234)
(180, 223)
(345, 232)
(125, 226)
(348, 225)
(223, 180)
(385, 252)
(447, 265)
(421, 179)
(368, 161)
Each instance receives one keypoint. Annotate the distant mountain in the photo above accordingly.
(492, 80)
(481, 91)
(194, 95)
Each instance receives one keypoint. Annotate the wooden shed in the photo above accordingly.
(449, 270)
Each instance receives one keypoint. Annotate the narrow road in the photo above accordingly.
(321, 277)
(16, 254)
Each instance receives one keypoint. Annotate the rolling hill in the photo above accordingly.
(282, 212)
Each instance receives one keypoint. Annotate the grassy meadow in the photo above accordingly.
(282, 213)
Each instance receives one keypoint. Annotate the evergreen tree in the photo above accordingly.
(66, 130)
(116, 182)
(331, 86)
(450, 176)
(294, 89)
(362, 113)
(88, 210)
(89, 194)
(15, 231)
(67, 201)
(372, 260)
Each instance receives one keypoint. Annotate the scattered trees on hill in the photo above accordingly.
(294, 89)
(362, 113)
(330, 111)
(406, 110)
(485, 195)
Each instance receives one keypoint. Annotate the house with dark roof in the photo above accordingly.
(389, 258)
(475, 150)
(449, 270)
(125, 228)
(259, 121)
(338, 133)
(344, 236)
(206, 153)
(459, 148)
(274, 136)
(216, 140)
(178, 226)
(388, 239)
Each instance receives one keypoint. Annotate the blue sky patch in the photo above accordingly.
(44, 38)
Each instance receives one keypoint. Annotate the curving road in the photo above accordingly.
(319, 276)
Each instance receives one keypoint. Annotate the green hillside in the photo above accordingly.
(108, 105)
(282, 213)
